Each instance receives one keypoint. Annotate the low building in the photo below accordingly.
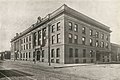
(115, 52)
(63, 36)
(5, 55)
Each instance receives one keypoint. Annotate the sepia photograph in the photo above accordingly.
(59, 40)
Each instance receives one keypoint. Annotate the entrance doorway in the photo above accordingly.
(38, 55)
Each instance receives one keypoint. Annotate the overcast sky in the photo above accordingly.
(17, 15)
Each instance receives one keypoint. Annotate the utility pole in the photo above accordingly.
(94, 36)
(49, 41)
(49, 45)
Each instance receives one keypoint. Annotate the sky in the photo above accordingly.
(18, 15)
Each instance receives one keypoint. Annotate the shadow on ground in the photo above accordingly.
(13, 73)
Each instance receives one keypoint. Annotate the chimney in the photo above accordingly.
(17, 34)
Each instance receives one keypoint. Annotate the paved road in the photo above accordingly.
(10, 70)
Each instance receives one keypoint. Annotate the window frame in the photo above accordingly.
(83, 40)
(83, 30)
(76, 27)
(58, 26)
(70, 52)
(58, 38)
(70, 38)
(70, 24)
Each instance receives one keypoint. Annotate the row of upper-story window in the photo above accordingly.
(98, 43)
(74, 27)
(75, 53)
(26, 39)
(55, 53)
(26, 46)
(56, 38)
(36, 35)
(40, 37)
(56, 27)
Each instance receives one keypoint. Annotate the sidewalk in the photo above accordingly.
(53, 65)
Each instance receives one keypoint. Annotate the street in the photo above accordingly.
(25, 70)
(10, 70)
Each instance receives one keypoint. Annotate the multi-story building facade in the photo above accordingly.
(5, 55)
(63, 36)
(115, 52)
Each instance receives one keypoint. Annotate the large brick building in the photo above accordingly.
(63, 36)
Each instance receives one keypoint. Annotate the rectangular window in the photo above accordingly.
(53, 39)
(44, 36)
(58, 52)
(26, 46)
(76, 39)
(91, 42)
(58, 38)
(26, 39)
(97, 34)
(102, 36)
(91, 53)
(26, 55)
(102, 44)
(76, 60)
(29, 38)
(107, 38)
(53, 28)
(76, 28)
(91, 32)
(33, 54)
(107, 60)
(52, 60)
(52, 53)
(97, 43)
(83, 40)
(35, 39)
(76, 52)
(57, 60)
(29, 54)
(23, 55)
(84, 52)
(106, 45)
(70, 25)
(83, 30)
(42, 53)
(39, 37)
(70, 38)
(29, 45)
(42, 60)
(70, 52)
(58, 26)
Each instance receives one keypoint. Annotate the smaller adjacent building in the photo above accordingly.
(5, 55)
(115, 52)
